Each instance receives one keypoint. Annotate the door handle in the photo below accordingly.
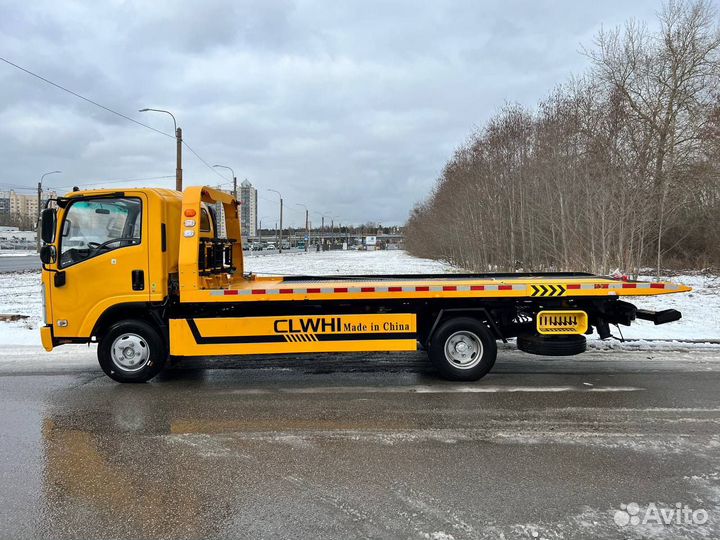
(138, 280)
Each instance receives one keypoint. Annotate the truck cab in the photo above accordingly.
(105, 251)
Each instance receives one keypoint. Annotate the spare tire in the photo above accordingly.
(552, 345)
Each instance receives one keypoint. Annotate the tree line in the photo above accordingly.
(615, 169)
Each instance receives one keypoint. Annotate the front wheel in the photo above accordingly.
(463, 349)
(131, 351)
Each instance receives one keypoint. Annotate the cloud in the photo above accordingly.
(351, 108)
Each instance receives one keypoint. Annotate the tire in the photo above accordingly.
(462, 349)
(131, 351)
(568, 345)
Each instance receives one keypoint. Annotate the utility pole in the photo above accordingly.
(260, 229)
(37, 227)
(281, 216)
(39, 204)
(178, 165)
(307, 226)
(322, 230)
(178, 150)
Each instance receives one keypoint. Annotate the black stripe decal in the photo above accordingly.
(282, 338)
(219, 340)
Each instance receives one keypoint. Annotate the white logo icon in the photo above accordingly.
(627, 515)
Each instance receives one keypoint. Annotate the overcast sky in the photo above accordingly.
(351, 108)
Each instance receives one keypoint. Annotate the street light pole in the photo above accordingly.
(178, 148)
(260, 229)
(281, 213)
(39, 208)
(339, 228)
(307, 229)
(234, 179)
(322, 230)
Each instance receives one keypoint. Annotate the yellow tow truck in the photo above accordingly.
(146, 275)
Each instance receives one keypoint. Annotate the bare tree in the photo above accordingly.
(667, 79)
(608, 166)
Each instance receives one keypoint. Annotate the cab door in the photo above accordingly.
(102, 260)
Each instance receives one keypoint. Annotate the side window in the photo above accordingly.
(95, 226)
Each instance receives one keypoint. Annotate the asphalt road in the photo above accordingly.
(360, 446)
(19, 264)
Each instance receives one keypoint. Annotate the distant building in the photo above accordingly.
(22, 205)
(248, 209)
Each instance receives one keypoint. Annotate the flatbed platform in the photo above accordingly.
(422, 277)
(382, 287)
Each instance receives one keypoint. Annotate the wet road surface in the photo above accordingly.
(360, 446)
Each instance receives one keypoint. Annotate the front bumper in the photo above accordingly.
(46, 335)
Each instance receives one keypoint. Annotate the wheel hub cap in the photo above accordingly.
(463, 349)
(130, 352)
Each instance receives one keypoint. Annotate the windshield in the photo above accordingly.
(95, 226)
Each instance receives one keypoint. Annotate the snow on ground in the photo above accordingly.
(700, 311)
(344, 262)
(20, 294)
(16, 252)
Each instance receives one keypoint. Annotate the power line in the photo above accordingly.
(117, 181)
(108, 109)
(16, 187)
(124, 116)
(213, 169)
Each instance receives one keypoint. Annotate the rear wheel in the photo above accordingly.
(463, 349)
(131, 351)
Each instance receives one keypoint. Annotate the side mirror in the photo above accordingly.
(48, 254)
(48, 224)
